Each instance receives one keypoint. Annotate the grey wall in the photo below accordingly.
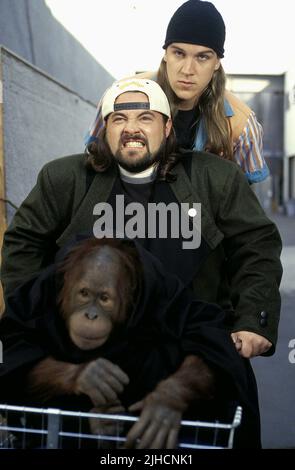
(268, 104)
(42, 120)
(28, 29)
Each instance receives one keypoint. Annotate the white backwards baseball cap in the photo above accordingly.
(158, 101)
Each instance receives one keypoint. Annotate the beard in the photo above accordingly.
(134, 165)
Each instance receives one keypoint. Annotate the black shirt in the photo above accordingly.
(185, 123)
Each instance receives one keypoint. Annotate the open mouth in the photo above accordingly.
(134, 144)
(131, 142)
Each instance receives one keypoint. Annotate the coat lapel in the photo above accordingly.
(98, 191)
(186, 192)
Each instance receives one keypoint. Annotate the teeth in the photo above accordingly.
(134, 144)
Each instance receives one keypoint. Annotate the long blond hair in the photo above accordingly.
(210, 107)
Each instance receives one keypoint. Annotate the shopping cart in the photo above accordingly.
(38, 428)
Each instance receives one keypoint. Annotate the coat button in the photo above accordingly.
(264, 314)
(263, 322)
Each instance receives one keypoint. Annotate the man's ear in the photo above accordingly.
(217, 65)
(165, 57)
(168, 127)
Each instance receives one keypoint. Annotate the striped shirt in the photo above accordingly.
(248, 151)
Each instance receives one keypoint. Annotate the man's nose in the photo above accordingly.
(131, 127)
(188, 66)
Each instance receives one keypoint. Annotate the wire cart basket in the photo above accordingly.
(37, 428)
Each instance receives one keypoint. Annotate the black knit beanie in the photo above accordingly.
(197, 22)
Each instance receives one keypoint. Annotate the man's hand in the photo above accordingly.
(250, 344)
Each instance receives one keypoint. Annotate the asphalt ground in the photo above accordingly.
(276, 374)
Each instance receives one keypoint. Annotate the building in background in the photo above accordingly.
(265, 95)
(50, 86)
(289, 141)
(40, 120)
(28, 29)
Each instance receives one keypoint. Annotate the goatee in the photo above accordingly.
(146, 161)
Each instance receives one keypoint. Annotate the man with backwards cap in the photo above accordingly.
(237, 262)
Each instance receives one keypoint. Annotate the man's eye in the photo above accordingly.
(178, 53)
(203, 57)
(146, 118)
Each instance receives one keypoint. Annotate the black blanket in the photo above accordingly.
(167, 324)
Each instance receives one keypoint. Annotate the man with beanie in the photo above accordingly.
(205, 115)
